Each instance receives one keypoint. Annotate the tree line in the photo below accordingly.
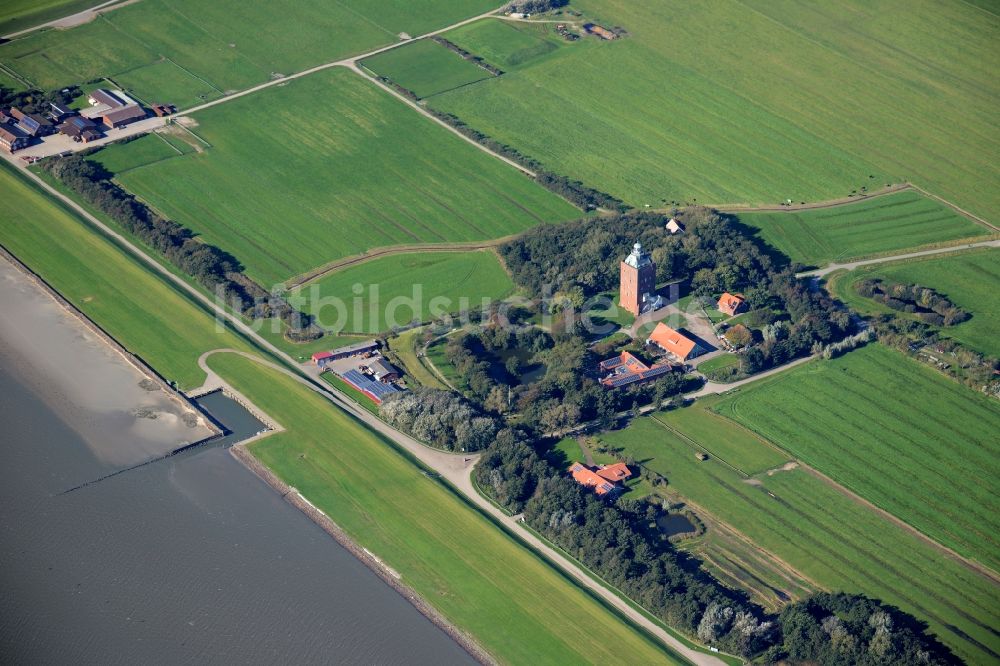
(213, 268)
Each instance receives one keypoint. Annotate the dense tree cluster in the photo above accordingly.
(849, 629)
(928, 305)
(214, 268)
(534, 6)
(440, 418)
(37, 101)
(569, 392)
(715, 251)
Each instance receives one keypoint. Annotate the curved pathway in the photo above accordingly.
(851, 265)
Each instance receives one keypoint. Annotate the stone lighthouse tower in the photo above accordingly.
(638, 280)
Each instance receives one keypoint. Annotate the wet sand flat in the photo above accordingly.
(123, 415)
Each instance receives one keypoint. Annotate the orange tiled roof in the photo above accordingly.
(587, 477)
(730, 302)
(616, 472)
(672, 341)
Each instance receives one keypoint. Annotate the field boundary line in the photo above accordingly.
(388, 251)
(972, 565)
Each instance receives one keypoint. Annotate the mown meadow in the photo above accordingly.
(145, 314)
(516, 605)
(754, 102)
(969, 279)
(304, 189)
(894, 431)
(394, 291)
(426, 68)
(880, 225)
(187, 51)
(833, 540)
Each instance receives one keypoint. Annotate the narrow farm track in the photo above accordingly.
(78, 18)
(460, 478)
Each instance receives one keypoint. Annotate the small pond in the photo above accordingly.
(675, 523)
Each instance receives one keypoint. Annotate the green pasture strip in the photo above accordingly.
(881, 225)
(147, 149)
(226, 45)
(361, 170)
(691, 106)
(17, 15)
(968, 279)
(141, 311)
(723, 440)
(426, 68)
(901, 435)
(515, 604)
(398, 289)
(833, 540)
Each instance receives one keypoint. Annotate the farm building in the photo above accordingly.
(80, 129)
(675, 227)
(11, 138)
(382, 371)
(603, 479)
(626, 369)
(731, 304)
(366, 347)
(638, 282)
(59, 112)
(674, 343)
(376, 391)
(123, 116)
(112, 100)
(31, 124)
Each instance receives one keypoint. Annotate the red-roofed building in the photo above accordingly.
(731, 304)
(321, 358)
(674, 343)
(626, 369)
(604, 479)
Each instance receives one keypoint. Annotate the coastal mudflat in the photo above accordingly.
(125, 415)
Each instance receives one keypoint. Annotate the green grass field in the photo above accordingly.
(874, 226)
(754, 102)
(426, 68)
(505, 44)
(306, 189)
(405, 346)
(220, 46)
(436, 356)
(397, 289)
(894, 431)
(831, 539)
(143, 313)
(516, 606)
(969, 279)
(18, 15)
(720, 367)
(147, 149)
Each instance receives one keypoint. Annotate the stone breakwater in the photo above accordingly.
(383, 571)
